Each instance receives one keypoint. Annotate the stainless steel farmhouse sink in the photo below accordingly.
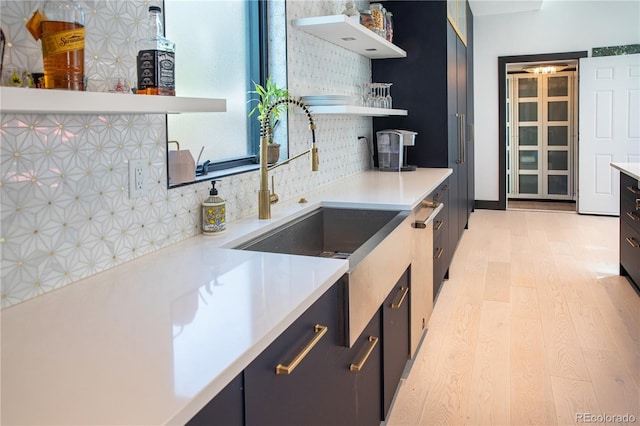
(329, 232)
(376, 244)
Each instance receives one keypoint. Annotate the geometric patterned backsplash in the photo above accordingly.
(65, 209)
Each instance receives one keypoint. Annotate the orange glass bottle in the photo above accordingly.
(62, 34)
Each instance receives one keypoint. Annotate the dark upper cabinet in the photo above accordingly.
(470, 137)
(434, 84)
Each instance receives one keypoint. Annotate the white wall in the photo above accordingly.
(560, 26)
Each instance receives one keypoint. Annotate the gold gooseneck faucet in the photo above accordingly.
(264, 196)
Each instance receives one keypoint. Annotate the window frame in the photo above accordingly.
(257, 24)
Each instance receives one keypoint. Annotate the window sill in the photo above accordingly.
(220, 174)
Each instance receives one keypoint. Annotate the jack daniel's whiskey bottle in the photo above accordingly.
(156, 59)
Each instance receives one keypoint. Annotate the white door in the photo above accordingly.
(609, 129)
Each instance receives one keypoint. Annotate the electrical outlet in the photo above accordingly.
(138, 176)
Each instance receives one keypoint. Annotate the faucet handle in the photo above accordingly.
(314, 157)
(273, 197)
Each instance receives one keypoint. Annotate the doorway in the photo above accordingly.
(541, 131)
(540, 176)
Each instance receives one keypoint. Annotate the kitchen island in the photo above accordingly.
(630, 221)
(153, 340)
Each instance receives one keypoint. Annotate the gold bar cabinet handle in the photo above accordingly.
(634, 190)
(633, 216)
(403, 294)
(373, 341)
(439, 224)
(429, 204)
(632, 242)
(419, 224)
(319, 331)
(439, 253)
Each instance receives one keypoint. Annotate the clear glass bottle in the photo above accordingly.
(389, 26)
(378, 18)
(156, 59)
(367, 20)
(62, 34)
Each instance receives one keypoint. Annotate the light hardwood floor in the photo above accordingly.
(534, 327)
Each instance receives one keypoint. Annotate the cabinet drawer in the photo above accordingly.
(226, 409)
(276, 398)
(440, 224)
(630, 201)
(395, 338)
(441, 239)
(440, 266)
(362, 364)
(441, 194)
(630, 251)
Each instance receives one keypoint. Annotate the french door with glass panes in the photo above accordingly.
(541, 133)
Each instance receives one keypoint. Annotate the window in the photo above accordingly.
(220, 51)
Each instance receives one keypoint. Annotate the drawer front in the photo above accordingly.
(630, 251)
(630, 201)
(279, 399)
(441, 236)
(395, 338)
(440, 223)
(441, 194)
(439, 267)
(440, 249)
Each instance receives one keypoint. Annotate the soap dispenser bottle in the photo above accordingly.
(213, 212)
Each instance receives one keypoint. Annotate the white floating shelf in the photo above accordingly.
(357, 110)
(43, 101)
(345, 32)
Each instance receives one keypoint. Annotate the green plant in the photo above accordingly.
(269, 94)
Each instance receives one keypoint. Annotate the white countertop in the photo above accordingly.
(153, 340)
(630, 169)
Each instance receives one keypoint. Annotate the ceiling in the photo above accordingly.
(499, 7)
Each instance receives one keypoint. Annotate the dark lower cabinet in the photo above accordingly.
(630, 229)
(293, 381)
(630, 253)
(226, 409)
(441, 248)
(363, 364)
(307, 377)
(395, 339)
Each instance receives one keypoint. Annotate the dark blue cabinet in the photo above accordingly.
(226, 409)
(395, 338)
(292, 382)
(307, 377)
(434, 83)
(630, 229)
